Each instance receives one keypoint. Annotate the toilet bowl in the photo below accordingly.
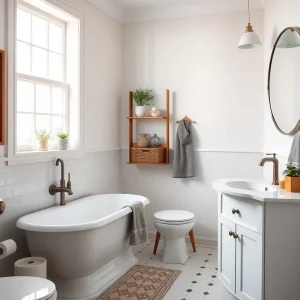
(174, 225)
(27, 288)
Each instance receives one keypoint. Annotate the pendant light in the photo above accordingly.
(249, 39)
(289, 39)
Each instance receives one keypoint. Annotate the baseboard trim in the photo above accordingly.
(200, 241)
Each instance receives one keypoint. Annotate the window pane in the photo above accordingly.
(43, 99)
(39, 32)
(23, 58)
(55, 67)
(57, 125)
(39, 62)
(57, 100)
(42, 123)
(25, 96)
(55, 38)
(23, 25)
(25, 129)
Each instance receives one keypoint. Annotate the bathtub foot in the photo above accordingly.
(91, 287)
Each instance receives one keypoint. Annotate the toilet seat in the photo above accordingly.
(27, 288)
(174, 217)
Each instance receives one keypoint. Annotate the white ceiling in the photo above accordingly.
(127, 11)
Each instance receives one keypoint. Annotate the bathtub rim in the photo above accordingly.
(24, 224)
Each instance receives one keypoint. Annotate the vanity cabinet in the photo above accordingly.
(240, 247)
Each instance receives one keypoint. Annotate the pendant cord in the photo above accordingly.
(249, 11)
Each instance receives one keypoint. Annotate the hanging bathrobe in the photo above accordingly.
(183, 165)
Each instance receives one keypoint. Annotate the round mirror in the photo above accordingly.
(283, 81)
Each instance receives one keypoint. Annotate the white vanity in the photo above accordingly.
(258, 240)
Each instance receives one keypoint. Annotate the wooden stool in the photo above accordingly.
(157, 238)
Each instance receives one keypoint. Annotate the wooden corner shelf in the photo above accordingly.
(2, 96)
(131, 118)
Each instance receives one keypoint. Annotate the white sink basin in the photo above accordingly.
(251, 186)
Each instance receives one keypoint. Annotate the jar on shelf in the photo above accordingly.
(155, 141)
(143, 140)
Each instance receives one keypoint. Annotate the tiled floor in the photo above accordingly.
(198, 280)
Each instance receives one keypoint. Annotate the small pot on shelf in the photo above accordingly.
(63, 144)
(140, 111)
(143, 140)
(43, 145)
(292, 184)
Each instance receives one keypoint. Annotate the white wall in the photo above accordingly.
(24, 188)
(216, 84)
(277, 16)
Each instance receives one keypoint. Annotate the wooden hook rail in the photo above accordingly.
(187, 119)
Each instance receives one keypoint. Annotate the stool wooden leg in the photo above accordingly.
(156, 242)
(192, 237)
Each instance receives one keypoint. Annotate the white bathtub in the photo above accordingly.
(86, 243)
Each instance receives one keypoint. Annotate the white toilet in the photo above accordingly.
(174, 225)
(27, 288)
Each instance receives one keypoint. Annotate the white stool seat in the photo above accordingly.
(174, 226)
(27, 288)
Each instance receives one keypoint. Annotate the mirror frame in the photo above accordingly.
(297, 127)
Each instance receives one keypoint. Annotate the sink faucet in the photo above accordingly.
(62, 189)
(274, 160)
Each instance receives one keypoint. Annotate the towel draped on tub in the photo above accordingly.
(183, 165)
(138, 234)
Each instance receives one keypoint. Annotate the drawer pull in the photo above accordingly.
(235, 235)
(235, 211)
(231, 233)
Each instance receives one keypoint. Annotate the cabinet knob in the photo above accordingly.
(231, 233)
(235, 211)
(235, 235)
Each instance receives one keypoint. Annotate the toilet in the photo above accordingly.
(27, 288)
(174, 225)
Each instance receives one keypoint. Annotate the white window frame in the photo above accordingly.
(15, 157)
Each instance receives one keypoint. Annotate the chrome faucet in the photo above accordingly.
(62, 189)
(274, 160)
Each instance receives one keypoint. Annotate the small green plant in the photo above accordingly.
(291, 171)
(143, 96)
(43, 135)
(63, 135)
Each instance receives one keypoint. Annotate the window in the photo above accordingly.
(42, 91)
(45, 82)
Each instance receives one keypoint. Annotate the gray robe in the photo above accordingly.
(183, 165)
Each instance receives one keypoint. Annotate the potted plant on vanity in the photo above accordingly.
(63, 141)
(292, 179)
(43, 137)
(142, 98)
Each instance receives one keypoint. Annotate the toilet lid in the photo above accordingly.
(26, 288)
(177, 216)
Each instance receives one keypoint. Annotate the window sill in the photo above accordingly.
(26, 157)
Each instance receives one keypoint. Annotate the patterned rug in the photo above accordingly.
(142, 282)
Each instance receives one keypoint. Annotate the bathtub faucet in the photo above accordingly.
(62, 189)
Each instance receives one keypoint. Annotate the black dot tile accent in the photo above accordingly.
(206, 293)
(210, 284)
(202, 267)
(217, 269)
(198, 274)
(206, 260)
(210, 254)
(194, 281)
(189, 290)
(214, 276)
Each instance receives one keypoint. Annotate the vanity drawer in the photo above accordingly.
(247, 214)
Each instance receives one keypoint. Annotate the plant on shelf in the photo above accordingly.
(63, 140)
(43, 137)
(142, 98)
(292, 178)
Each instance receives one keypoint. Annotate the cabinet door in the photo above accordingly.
(249, 267)
(226, 253)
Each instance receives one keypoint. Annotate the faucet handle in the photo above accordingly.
(69, 185)
(274, 154)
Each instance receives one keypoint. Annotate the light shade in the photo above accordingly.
(289, 39)
(249, 39)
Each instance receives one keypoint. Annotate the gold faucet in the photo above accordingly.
(274, 160)
(62, 189)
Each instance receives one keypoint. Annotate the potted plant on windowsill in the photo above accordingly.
(292, 179)
(63, 141)
(43, 137)
(142, 98)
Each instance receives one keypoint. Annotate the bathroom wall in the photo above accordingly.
(216, 84)
(277, 16)
(24, 188)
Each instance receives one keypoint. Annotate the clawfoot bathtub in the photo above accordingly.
(86, 243)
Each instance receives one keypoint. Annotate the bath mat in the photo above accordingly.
(142, 282)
